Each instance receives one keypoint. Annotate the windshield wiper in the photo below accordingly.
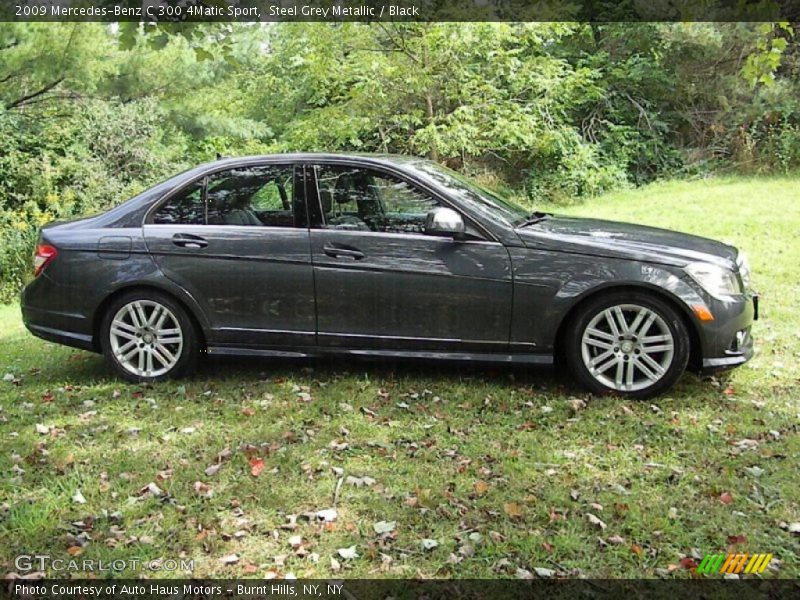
(533, 218)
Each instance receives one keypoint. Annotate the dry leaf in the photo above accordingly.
(481, 487)
(512, 509)
(726, 497)
(256, 466)
(74, 550)
(595, 521)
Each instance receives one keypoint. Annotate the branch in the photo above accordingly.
(21, 101)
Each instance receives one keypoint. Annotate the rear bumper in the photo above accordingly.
(53, 324)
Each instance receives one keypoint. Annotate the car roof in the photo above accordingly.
(391, 159)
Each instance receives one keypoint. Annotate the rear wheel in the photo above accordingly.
(147, 336)
(632, 344)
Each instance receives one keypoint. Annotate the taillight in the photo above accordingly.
(44, 255)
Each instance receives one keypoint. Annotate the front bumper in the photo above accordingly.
(728, 340)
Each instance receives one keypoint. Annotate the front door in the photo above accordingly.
(238, 242)
(382, 283)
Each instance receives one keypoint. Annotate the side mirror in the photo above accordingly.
(444, 222)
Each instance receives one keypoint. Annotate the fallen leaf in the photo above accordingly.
(523, 574)
(616, 540)
(78, 497)
(230, 559)
(595, 521)
(382, 527)
(327, 515)
(726, 497)
(249, 569)
(428, 544)
(737, 539)
(335, 565)
(74, 550)
(481, 487)
(296, 541)
(636, 549)
(347, 553)
(248, 411)
(212, 470)
(42, 429)
(512, 509)
(256, 466)
(544, 573)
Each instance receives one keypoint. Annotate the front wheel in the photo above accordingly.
(147, 336)
(632, 344)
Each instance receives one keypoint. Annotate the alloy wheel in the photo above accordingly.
(146, 338)
(627, 347)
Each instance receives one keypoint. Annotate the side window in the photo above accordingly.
(366, 200)
(184, 208)
(252, 196)
(249, 196)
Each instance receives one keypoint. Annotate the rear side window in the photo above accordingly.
(185, 208)
(262, 196)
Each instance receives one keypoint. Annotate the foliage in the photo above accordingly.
(92, 113)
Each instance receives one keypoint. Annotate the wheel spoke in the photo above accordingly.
(134, 317)
(131, 353)
(655, 349)
(645, 370)
(164, 356)
(637, 321)
(620, 373)
(140, 312)
(612, 323)
(141, 361)
(127, 346)
(149, 361)
(157, 310)
(645, 358)
(116, 330)
(610, 362)
(630, 371)
(598, 338)
(621, 321)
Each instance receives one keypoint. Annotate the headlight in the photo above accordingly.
(717, 281)
(744, 269)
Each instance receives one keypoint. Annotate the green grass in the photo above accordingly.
(518, 459)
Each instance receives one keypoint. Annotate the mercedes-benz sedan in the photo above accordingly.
(310, 254)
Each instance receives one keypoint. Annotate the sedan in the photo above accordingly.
(383, 256)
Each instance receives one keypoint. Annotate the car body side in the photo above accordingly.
(551, 271)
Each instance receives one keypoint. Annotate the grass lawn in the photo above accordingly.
(433, 470)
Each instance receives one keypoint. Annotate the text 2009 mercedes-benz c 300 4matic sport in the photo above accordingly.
(371, 255)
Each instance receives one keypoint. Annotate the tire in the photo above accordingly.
(150, 330)
(640, 359)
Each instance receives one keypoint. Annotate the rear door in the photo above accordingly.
(237, 241)
(383, 283)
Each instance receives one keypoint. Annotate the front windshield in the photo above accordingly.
(475, 196)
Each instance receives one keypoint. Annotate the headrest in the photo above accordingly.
(326, 199)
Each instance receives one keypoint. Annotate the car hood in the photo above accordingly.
(624, 240)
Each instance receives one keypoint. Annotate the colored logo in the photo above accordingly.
(734, 563)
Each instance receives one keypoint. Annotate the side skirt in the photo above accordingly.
(307, 352)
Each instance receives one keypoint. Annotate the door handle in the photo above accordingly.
(187, 240)
(338, 252)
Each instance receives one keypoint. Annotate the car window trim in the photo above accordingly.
(403, 176)
(213, 170)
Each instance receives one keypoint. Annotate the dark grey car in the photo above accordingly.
(311, 254)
